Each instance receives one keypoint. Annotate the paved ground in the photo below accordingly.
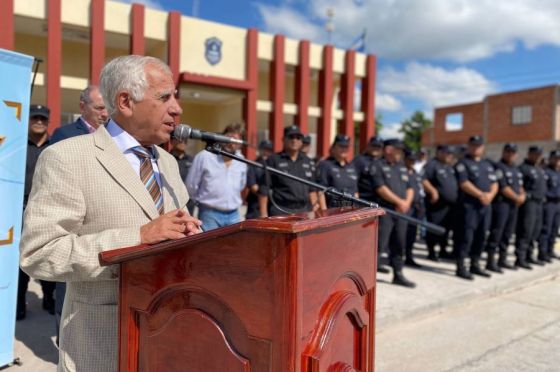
(508, 323)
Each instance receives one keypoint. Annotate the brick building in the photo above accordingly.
(526, 117)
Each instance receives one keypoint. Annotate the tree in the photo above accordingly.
(378, 124)
(412, 129)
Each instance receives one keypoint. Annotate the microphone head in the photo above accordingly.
(181, 132)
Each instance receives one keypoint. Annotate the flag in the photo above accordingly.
(359, 44)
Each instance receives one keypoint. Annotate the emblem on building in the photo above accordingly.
(213, 52)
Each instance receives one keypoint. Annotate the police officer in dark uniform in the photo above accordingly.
(288, 196)
(254, 177)
(337, 172)
(362, 162)
(393, 190)
(551, 215)
(184, 161)
(478, 184)
(529, 222)
(417, 209)
(442, 193)
(504, 208)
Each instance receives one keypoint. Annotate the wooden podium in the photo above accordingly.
(291, 293)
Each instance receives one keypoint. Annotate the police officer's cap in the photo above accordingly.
(476, 140)
(536, 149)
(39, 110)
(292, 130)
(555, 154)
(510, 147)
(266, 145)
(395, 142)
(444, 148)
(410, 154)
(306, 140)
(375, 141)
(342, 140)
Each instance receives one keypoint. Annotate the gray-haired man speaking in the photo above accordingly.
(102, 191)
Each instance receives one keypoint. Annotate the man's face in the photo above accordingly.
(510, 156)
(293, 142)
(265, 153)
(38, 125)
(305, 148)
(94, 112)
(392, 154)
(340, 152)
(179, 147)
(535, 157)
(231, 147)
(375, 151)
(476, 150)
(153, 118)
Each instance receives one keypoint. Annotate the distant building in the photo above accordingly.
(526, 117)
(223, 73)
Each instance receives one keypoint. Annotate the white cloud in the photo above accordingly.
(152, 4)
(387, 102)
(391, 131)
(459, 30)
(435, 86)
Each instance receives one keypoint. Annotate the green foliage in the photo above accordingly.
(412, 129)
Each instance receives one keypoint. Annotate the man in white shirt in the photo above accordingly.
(215, 182)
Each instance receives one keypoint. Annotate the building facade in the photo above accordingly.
(526, 117)
(223, 73)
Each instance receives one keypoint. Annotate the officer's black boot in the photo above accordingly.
(432, 255)
(462, 271)
(502, 262)
(532, 261)
(491, 263)
(522, 263)
(399, 279)
(477, 270)
(383, 269)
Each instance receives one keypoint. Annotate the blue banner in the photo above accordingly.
(15, 90)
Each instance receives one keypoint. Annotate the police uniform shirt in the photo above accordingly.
(480, 173)
(394, 176)
(416, 183)
(362, 164)
(33, 152)
(534, 181)
(286, 192)
(553, 184)
(254, 177)
(184, 164)
(330, 173)
(443, 178)
(509, 175)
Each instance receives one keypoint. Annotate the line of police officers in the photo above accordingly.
(481, 204)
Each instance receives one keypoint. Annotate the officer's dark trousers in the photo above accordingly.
(475, 220)
(529, 225)
(444, 215)
(23, 282)
(418, 213)
(551, 222)
(504, 219)
(392, 238)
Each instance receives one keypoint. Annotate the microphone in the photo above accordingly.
(183, 132)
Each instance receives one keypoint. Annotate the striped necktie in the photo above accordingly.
(148, 176)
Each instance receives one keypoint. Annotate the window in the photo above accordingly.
(521, 115)
(454, 122)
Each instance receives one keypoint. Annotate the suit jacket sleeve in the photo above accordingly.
(52, 247)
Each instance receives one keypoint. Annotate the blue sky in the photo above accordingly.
(431, 52)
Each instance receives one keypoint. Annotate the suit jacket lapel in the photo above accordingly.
(114, 161)
(82, 126)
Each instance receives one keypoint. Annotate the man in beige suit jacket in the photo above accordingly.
(88, 197)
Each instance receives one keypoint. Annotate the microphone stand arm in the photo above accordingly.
(436, 229)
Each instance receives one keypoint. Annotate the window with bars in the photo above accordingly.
(521, 115)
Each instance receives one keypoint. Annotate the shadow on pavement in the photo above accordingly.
(37, 330)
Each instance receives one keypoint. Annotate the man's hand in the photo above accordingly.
(434, 197)
(176, 224)
(485, 198)
(402, 206)
(521, 199)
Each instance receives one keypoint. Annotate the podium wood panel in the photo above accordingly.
(294, 293)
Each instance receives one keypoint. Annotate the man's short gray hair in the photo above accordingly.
(127, 73)
(85, 95)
